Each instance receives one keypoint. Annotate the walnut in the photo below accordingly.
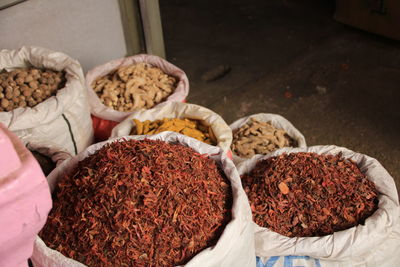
(28, 87)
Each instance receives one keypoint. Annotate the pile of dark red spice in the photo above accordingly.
(139, 203)
(306, 194)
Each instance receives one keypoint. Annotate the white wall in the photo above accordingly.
(87, 30)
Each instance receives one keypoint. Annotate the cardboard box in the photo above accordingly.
(377, 16)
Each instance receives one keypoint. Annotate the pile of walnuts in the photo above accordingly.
(28, 87)
(134, 87)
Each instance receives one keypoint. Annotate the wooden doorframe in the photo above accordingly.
(141, 22)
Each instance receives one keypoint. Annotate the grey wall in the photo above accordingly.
(87, 30)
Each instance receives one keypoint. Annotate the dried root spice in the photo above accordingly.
(306, 194)
(139, 203)
(192, 128)
(28, 87)
(257, 137)
(134, 87)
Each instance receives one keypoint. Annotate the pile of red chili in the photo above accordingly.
(139, 203)
(306, 194)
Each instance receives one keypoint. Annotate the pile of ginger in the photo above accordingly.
(134, 87)
(258, 137)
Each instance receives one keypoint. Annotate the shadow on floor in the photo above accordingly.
(336, 84)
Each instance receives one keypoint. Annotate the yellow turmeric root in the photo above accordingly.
(189, 127)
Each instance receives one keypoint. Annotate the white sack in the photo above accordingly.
(354, 244)
(179, 110)
(277, 121)
(62, 120)
(235, 247)
(384, 255)
(101, 111)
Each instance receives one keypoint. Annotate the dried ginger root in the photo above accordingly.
(256, 137)
(192, 128)
(134, 87)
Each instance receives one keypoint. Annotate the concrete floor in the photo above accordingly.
(286, 46)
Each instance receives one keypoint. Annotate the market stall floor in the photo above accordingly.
(336, 84)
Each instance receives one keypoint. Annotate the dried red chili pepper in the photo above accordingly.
(139, 203)
(306, 194)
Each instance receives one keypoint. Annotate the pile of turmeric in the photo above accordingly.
(189, 127)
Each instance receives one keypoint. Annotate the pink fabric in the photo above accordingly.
(25, 200)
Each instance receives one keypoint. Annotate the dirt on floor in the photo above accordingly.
(336, 84)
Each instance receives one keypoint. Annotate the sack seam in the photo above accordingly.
(70, 133)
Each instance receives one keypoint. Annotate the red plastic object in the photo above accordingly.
(229, 154)
(102, 128)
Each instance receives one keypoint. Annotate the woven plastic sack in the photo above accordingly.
(277, 121)
(62, 120)
(179, 110)
(235, 247)
(370, 244)
(102, 112)
(384, 255)
(55, 154)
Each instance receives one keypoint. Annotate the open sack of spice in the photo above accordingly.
(164, 200)
(43, 98)
(326, 202)
(189, 119)
(122, 86)
(261, 134)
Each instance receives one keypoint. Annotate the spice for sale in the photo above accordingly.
(28, 87)
(139, 203)
(189, 127)
(134, 87)
(257, 137)
(306, 194)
